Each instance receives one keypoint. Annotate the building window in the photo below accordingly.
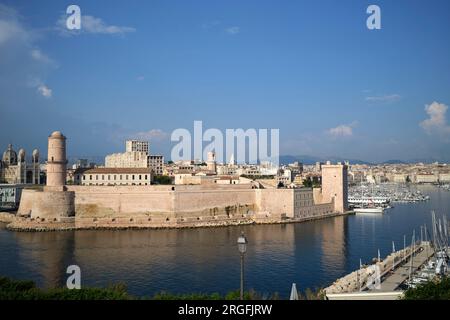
(90, 177)
(120, 177)
(109, 177)
(126, 177)
(114, 177)
(96, 177)
(140, 177)
(132, 177)
(145, 177)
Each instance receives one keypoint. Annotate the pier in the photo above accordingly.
(392, 279)
(394, 270)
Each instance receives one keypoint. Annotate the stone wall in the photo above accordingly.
(162, 202)
(275, 201)
(48, 205)
(171, 206)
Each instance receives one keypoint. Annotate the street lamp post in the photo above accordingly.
(242, 246)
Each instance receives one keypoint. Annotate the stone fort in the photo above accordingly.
(175, 205)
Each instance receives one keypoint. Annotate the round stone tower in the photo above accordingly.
(211, 162)
(57, 162)
(55, 203)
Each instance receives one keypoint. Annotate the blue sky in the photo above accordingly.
(310, 68)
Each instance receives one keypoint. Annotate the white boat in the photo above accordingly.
(369, 210)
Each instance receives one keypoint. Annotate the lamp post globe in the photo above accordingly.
(242, 243)
(242, 247)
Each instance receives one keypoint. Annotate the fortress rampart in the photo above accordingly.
(170, 205)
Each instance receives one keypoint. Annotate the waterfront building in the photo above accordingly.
(399, 177)
(106, 197)
(335, 185)
(444, 177)
(426, 178)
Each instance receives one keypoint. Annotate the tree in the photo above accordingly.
(162, 180)
(432, 290)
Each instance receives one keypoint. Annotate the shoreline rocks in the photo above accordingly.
(25, 224)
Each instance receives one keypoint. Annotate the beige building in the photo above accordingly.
(115, 177)
(136, 155)
(426, 178)
(400, 177)
(444, 177)
(335, 185)
(129, 159)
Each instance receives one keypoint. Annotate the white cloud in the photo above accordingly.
(92, 25)
(341, 131)
(11, 30)
(45, 91)
(22, 62)
(436, 122)
(152, 135)
(210, 24)
(384, 98)
(233, 30)
(39, 56)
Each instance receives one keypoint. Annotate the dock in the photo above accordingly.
(391, 280)
(394, 270)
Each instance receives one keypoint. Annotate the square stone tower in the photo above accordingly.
(335, 185)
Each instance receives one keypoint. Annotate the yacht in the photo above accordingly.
(369, 210)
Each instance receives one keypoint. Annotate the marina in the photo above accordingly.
(423, 261)
(376, 198)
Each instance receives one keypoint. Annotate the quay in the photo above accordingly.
(392, 272)
(393, 279)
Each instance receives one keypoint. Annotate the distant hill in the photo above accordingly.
(394, 162)
(306, 159)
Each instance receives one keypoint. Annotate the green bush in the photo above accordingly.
(27, 290)
(433, 290)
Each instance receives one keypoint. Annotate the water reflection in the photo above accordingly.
(311, 254)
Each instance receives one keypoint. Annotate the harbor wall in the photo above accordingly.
(169, 206)
(364, 277)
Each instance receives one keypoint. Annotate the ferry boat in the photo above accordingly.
(377, 210)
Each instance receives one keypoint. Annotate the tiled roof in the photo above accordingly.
(117, 170)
